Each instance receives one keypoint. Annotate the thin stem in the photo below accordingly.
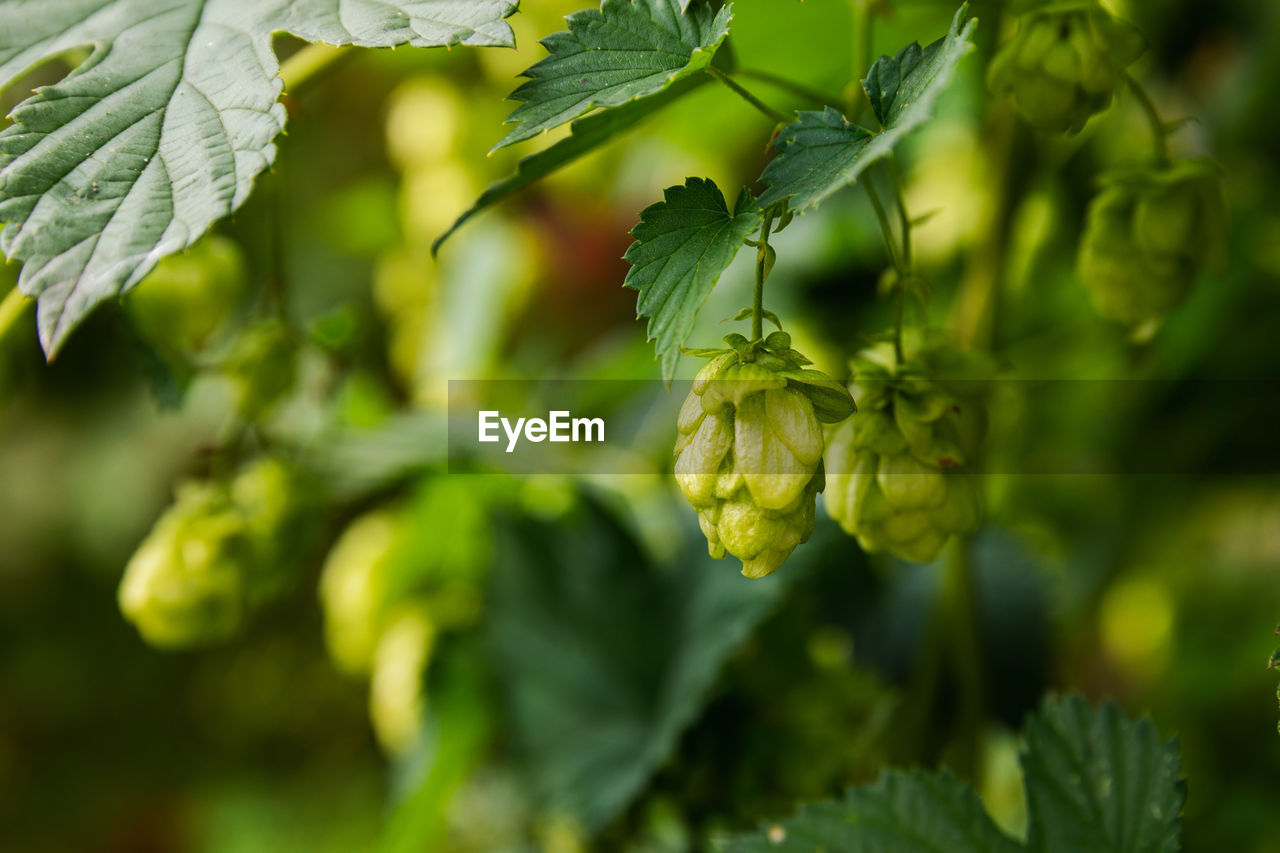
(1159, 136)
(780, 118)
(886, 228)
(310, 61)
(788, 85)
(864, 12)
(960, 601)
(762, 272)
(14, 305)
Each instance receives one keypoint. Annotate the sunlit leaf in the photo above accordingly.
(161, 131)
(822, 152)
(626, 49)
(681, 247)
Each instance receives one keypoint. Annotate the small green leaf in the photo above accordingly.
(627, 49)
(1100, 782)
(746, 314)
(161, 131)
(586, 134)
(823, 152)
(913, 812)
(681, 247)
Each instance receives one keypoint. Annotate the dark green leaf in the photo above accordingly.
(163, 128)
(900, 813)
(823, 152)
(587, 134)
(605, 657)
(681, 247)
(1099, 782)
(831, 400)
(626, 49)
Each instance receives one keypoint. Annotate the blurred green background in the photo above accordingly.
(473, 663)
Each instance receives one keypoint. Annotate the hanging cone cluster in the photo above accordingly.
(1149, 233)
(750, 449)
(895, 472)
(1065, 63)
(216, 550)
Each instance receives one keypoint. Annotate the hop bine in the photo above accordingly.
(750, 448)
(895, 473)
(1065, 63)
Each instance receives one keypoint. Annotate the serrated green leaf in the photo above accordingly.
(627, 49)
(604, 657)
(586, 134)
(681, 247)
(823, 152)
(1100, 782)
(163, 128)
(912, 812)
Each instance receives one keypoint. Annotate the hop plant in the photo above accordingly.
(894, 473)
(1064, 64)
(215, 551)
(750, 449)
(1149, 233)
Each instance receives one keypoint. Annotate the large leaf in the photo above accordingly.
(587, 134)
(822, 152)
(163, 128)
(1097, 781)
(900, 813)
(682, 245)
(605, 657)
(626, 49)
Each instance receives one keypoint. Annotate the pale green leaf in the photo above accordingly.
(587, 134)
(163, 128)
(822, 152)
(900, 813)
(681, 247)
(1100, 782)
(626, 49)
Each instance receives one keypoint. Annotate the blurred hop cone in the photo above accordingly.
(895, 477)
(188, 298)
(750, 449)
(1149, 233)
(218, 549)
(1064, 63)
(185, 585)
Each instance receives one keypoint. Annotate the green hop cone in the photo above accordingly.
(895, 477)
(187, 299)
(1064, 63)
(750, 449)
(216, 551)
(1149, 233)
(184, 586)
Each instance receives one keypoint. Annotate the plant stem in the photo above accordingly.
(795, 87)
(13, 306)
(1159, 137)
(780, 118)
(965, 646)
(762, 272)
(886, 228)
(310, 61)
(863, 15)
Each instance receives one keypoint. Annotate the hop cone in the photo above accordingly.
(750, 449)
(1064, 64)
(894, 472)
(213, 552)
(1148, 235)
